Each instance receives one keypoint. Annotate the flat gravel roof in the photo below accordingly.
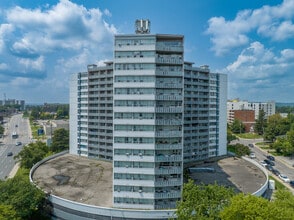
(89, 181)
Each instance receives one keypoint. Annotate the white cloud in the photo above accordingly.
(257, 62)
(3, 66)
(273, 22)
(5, 30)
(63, 26)
(32, 64)
(107, 13)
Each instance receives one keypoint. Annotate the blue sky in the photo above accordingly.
(43, 42)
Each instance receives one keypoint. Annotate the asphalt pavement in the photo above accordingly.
(20, 125)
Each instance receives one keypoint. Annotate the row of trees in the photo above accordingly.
(214, 202)
(48, 111)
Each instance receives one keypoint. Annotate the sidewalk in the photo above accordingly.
(13, 171)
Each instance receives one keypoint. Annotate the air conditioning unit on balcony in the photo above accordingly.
(128, 154)
(140, 154)
(140, 190)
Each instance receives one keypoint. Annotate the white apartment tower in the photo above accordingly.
(150, 113)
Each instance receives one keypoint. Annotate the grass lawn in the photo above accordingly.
(249, 136)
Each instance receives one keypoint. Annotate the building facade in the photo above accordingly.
(269, 108)
(150, 113)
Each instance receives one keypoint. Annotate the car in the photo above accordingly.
(18, 143)
(291, 183)
(263, 163)
(252, 155)
(276, 172)
(284, 178)
(9, 154)
(250, 145)
(269, 162)
(269, 167)
(270, 158)
(16, 126)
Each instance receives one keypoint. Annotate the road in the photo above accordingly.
(21, 127)
(260, 154)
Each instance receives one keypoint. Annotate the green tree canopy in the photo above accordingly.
(19, 198)
(276, 126)
(237, 127)
(249, 207)
(60, 140)
(7, 212)
(202, 202)
(32, 153)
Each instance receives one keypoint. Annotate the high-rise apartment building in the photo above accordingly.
(150, 113)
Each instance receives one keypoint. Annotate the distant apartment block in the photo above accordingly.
(12, 102)
(268, 107)
(151, 114)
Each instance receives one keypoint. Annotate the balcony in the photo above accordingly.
(163, 47)
(168, 133)
(168, 170)
(169, 97)
(169, 109)
(170, 182)
(166, 195)
(168, 122)
(168, 146)
(169, 60)
(160, 72)
(168, 85)
(168, 158)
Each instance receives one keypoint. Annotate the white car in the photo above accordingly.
(252, 155)
(263, 163)
(284, 178)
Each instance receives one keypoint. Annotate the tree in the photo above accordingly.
(20, 198)
(260, 123)
(60, 140)
(237, 127)
(249, 207)
(7, 212)
(230, 135)
(276, 126)
(239, 149)
(202, 202)
(32, 153)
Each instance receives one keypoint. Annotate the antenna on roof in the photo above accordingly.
(142, 26)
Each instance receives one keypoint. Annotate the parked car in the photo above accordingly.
(269, 162)
(284, 178)
(269, 167)
(252, 155)
(276, 172)
(270, 157)
(250, 145)
(9, 154)
(291, 183)
(263, 163)
(18, 143)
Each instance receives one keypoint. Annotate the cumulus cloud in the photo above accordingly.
(51, 42)
(65, 33)
(273, 22)
(258, 70)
